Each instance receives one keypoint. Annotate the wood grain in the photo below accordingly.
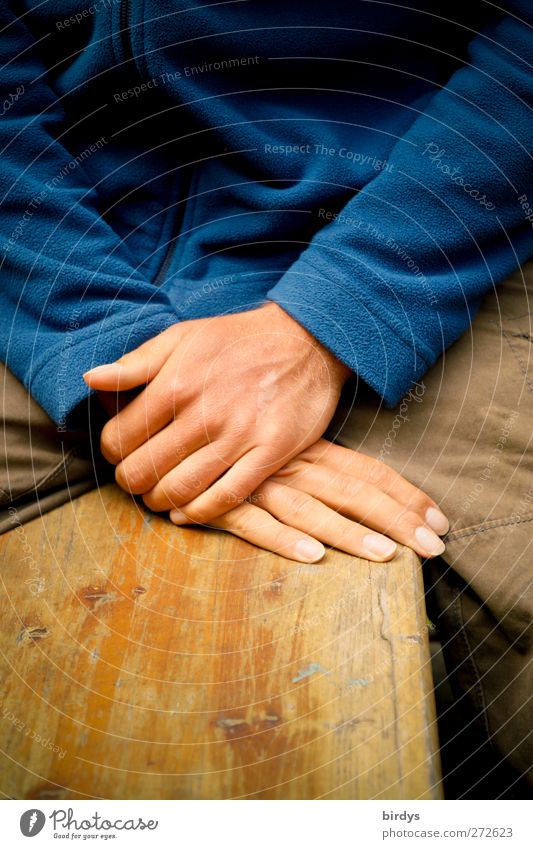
(140, 660)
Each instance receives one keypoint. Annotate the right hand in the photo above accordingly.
(333, 495)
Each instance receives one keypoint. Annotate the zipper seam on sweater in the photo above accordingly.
(161, 274)
(125, 36)
(129, 58)
(178, 219)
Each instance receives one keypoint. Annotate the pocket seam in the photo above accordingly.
(487, 526)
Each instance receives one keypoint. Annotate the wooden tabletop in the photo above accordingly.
(140, 660)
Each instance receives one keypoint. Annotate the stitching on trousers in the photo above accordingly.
(68, 460)
(487, 526)
(526, 336)
(507, 336)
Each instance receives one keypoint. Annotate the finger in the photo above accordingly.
(147, 466)
(135, 368)
(300, 510)
(357, 499)
(114, 402)
(244, 476)
(378, 474)
(186, 481)
(353, 496)
(147, 414)
(255, 525)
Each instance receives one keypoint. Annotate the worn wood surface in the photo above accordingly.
(144, 661)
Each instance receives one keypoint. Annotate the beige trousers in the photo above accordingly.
(464, 434)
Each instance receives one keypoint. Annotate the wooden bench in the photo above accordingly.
(140, 660)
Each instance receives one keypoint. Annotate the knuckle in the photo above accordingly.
(280, 540)
(406, 522)
(241, 518)
(178, 446)
(378, 474)
(232, 520)
(419, 504)
(236, 428)
(169, 393)
(299, 504)
(199, 515)
(177, 493)
(273, 432)
(294, 468)
(219, 502)
(155, 502)
(348, 488)
(231, 497)
(110, 443)
(167, 495)
(132, 477)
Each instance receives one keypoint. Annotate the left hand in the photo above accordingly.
(333, 495)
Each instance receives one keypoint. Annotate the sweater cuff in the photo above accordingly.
(57, 380)
(340, 318)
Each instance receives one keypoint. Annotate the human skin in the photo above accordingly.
(333, 495)
(225, 404)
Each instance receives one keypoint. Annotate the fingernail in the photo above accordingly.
(102, 371)
(380, 546)
(429, 541)
(309, 550)
(178, 517)
(437, 521)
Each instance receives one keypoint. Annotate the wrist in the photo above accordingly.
(336, 367)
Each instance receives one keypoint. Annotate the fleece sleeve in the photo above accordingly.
(396, 276)
(70, 295)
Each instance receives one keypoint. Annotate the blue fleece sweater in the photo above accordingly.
(365, 165)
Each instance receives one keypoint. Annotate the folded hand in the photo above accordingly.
(226, 402)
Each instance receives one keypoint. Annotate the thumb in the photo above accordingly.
(136, 368)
